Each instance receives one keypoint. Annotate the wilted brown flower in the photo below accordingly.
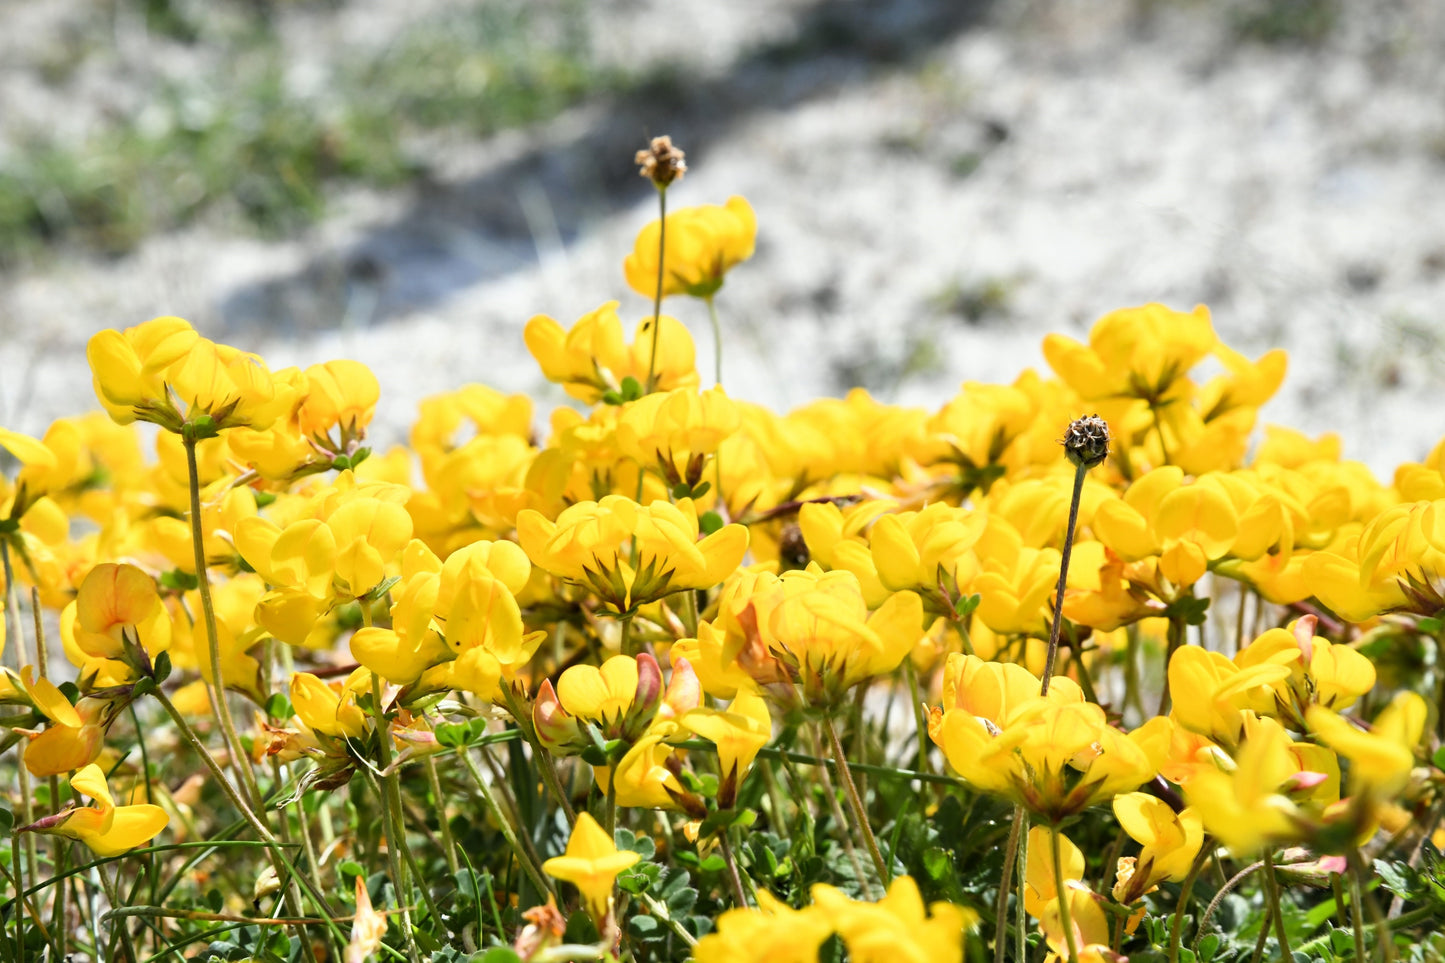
(661, 162)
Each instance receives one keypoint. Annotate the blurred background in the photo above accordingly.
(938, 183)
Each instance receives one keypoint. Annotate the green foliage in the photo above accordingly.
(245, 142)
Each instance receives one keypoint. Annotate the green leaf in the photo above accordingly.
(1431, 625)
(500, 954)
(937, 863)
(1397, 877)
(7, 821)
(644, 926)
(611, 398)
(1190, 610)
(713, 864)
(1208, 946)
(631, 389)
(279, 707)
(701, 489)
(178, 581)
(351, 868)
(681, 490)
(162, 668)
(452, 735)
(710, 522)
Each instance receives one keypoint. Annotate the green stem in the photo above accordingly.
(1159, 428)
(832, 795)
(1066, 914)
(657, 298)
(855, 802)
(1005, 883)
(716, 343)
(1080, 471)
(740, 898)
(1177, 930)
(444, 824)
(625, 642)
(1357, 912)
(540, 757)
(1175, 639)
(920, 721)
(391, 824)
(509, 833)
(1271, 883)
(1021, 921)
(689, 612)
(263, 833)
(609, 810)
(123, 922)
(240, 761)
(1378, 922)
(22, 658)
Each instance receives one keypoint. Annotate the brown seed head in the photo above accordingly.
(661, 162)
(1086, 442)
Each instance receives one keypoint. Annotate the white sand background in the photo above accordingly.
(1078, 156)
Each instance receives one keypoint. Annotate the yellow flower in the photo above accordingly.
(620, 697)
(772, 933)
(835, 541)
(593, 543)
(644, 778)
(1217, 698)
(1055, 755)
(820, 629)
(591, 863)
(739, 732)
(338, 394)
(899, 927)
(673, 432)
(1140, 353)
(1185, 526)
(1017, 582)
(1171, 841)
(330, 710)
(116, 625)
(930, 551)
(702, 244)
(1380, 760)
(592, 359)
(74, 735)
(1321, 673)
(1246, 802)
(106, 828)
(1040, 882)
(163, 372)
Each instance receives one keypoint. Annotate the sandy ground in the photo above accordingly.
(938, 185)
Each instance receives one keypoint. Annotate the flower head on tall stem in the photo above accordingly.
(1086, 444)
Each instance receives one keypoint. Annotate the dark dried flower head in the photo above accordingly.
(661, 163)
(1086, 442)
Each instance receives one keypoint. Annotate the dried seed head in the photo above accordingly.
(661, 162)
(1086, 442)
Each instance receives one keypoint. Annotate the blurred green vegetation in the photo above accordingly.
(243, 143)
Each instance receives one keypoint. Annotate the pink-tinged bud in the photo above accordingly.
(557, 730)
(1304, 634)
(645, 703)
(1304, 781)
(684, 691)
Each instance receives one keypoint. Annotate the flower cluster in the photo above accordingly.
(672, 600)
